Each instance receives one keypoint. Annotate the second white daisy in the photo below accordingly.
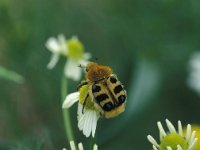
(174, 140)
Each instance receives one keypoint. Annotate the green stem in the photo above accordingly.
(92, 142)
(66, 113)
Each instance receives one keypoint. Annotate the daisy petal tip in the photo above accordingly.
(70, 99)
(95, 147)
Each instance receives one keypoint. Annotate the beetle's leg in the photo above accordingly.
(85, 100)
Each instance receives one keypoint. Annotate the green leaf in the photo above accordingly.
(29, 144)
(10, 75)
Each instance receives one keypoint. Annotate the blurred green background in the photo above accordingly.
(147, 43)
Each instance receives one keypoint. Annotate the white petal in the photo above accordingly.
(162, 131)
(193, 144)
(80, 117)
(57, 46)
(87, 56)
(62, 43)
(53, 61)
(192, 137)
(79, 111)
(180, 129)
(179, 147)
(94, 123)
(195, 62)
(87, 121)
(95, 147)
(72, 70)
(152, 140)
(188, 132)
(87, 128)
(170, 126)
(72, 145)
(80, 146)
(169, 148)
(70, 99)
(53, 45)
(154, 148)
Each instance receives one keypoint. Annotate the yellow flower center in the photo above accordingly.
(173, 140)
(75, 48)
(89, 104)
(197, 129)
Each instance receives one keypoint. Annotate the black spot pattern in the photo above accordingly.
(113, 80)
(118, 89)
(96, 88)
(117, 103)
(108, 106)
(121, 99)
(101, 97)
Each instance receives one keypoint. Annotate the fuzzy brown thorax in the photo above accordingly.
(97, 72)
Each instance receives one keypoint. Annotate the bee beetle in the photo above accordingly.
(106, 90)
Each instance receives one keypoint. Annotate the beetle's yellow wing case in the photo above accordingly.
(119, 95)
(109, 96)
(107, 92)
(116, 88)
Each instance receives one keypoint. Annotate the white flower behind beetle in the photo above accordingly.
(80, 146)
(87, 116)
(194, 76)
(57, 47)
(73, 50)
(174, 140)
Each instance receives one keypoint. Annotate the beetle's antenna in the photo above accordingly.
(80, 66)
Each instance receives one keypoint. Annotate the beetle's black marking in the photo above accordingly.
(96, 88)
(117, 103)
(108, 106)
(121, 99)
(118, 89)
(113, 79)
(111, 94)
(101, 97)
(97, 81)
(82, 84)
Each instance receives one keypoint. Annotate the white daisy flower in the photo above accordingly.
(194, 76)
(80, 146)
(87, 116)
(174, 140)
(72, 49)
(87, 120)
(57, 47)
